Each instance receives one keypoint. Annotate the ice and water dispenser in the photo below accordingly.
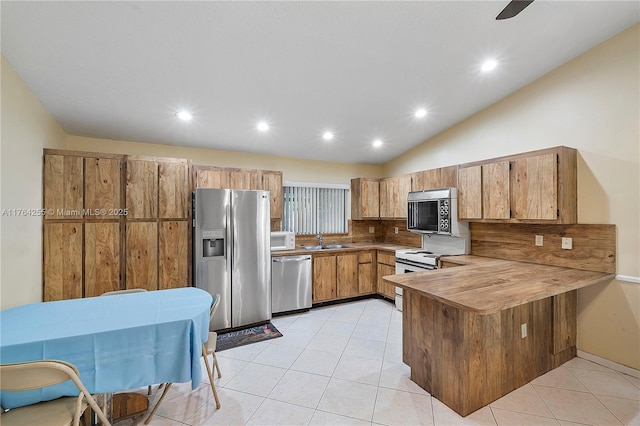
(213, 243)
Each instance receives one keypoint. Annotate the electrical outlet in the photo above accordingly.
(396, 230)
(523, 330)
(372, 229)
(539, 240)
(567, 243)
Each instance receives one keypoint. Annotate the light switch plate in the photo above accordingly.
(539, 240)
(372, 229)
(396, 230)
(523, 330)
(567, 243)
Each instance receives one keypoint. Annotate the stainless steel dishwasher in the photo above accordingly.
(290, 283)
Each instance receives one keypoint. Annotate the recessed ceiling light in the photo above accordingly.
(263, 126)
(184, 115)
(420, 112)
(327, 136)
(377, 143)
(489, 65)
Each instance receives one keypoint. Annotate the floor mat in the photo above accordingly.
(259, 333)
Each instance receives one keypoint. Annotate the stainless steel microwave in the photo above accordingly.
(435, 211)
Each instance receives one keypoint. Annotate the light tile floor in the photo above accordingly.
(342, 365)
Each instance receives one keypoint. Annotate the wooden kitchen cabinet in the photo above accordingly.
(141, 256)
(102, 257)
(174, 189)
(173, 271)
(538, 186)
(62, 267)
(324, 277)
(386, 266)
(102, 187)
(347, 275)
(443, 177)
(243, 179)
(365, 198)
(393, 197)
(366, 272)
(272, 181)
(141, 189)
(211, 177)
(63, 186)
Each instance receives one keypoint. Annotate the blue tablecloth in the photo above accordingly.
(117, 342)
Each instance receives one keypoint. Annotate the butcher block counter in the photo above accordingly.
(486, 285)
(473, 333)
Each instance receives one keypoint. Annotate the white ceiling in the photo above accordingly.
(120, 70)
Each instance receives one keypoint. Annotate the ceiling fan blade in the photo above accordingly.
(513, 8)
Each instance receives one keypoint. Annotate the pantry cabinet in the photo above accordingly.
(532, 187)
(365, 198)
(116, 222)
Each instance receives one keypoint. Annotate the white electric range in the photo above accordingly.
(426, 258)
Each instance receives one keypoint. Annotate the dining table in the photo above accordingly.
(118, 343)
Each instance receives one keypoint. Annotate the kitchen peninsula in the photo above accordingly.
(475, 332)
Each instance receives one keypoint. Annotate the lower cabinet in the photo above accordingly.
(343, 275)
(386, 266)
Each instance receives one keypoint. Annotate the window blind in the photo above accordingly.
(314, 210)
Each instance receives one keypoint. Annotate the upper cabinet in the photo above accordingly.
(270, 180)
(63, 186)
(365, 198)
(393, 197)
(444, 177)
(537, 186)
(229, 178)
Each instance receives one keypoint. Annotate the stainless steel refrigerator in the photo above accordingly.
(232, 254)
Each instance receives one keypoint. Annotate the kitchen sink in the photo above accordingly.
(327, 247)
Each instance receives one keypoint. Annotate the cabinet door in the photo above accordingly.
(496, 198)
(174, 254)
(366, 278)
(102, 258)
(174, 190)
(324, 278)
(386, 197)
(365, 199)
(470, 192)
(401, 196)
(63, 186)
(443, 177)
(347, 275)
(101, 187)
(211, 177)
(272, 181)
(62, 274)
(384, 288)
(142, 255)
(243, 179)
(536, 187)
(142, 189)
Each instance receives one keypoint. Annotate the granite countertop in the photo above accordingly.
(486, 285)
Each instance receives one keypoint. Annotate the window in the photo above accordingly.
(315, 209)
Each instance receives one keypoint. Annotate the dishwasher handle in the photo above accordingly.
(283, 259)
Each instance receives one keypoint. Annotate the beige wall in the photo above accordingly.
(27, 128)
(293, 170)
(592, 104)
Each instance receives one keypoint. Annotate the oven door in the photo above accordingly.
(406, 267)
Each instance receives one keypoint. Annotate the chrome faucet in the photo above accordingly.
(319, 237)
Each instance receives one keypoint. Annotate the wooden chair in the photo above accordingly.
(208, 348)
(31, 375)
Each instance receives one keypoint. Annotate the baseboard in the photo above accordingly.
(610, 364)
